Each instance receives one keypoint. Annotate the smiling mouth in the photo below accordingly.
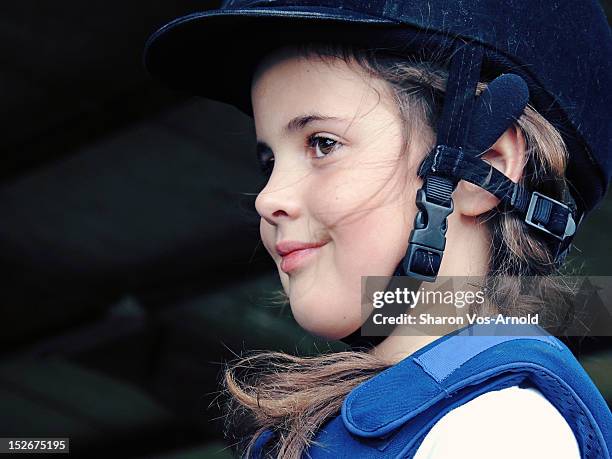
(297, 259)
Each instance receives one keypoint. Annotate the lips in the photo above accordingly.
(286, 247)
(295, 254)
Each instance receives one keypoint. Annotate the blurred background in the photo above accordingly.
(129, 245)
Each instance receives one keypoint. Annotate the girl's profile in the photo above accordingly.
(418, 141)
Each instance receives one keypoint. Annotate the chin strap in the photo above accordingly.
(428, 237)
(552, 218)
(478, 123)
(467, 128)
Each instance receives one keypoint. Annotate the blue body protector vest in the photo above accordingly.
(389, 415)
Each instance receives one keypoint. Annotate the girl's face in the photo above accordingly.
(340, 179)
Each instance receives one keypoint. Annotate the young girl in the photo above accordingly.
(349, 131)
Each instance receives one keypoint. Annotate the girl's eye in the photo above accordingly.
(266, 163)
(323, 146)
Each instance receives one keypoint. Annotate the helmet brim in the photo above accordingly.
(214, 53)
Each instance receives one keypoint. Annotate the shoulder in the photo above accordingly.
(508, 423)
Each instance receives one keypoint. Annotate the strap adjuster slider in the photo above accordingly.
(532, 219)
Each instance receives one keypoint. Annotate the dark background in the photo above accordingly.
(129, 243)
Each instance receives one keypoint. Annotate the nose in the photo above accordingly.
(279, 199)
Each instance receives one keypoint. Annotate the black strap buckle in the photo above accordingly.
(427, 239)
(531, 216)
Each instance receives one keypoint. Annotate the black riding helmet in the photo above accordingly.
(555, 55)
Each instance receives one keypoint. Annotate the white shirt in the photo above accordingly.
(505, 424)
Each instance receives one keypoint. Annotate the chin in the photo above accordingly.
(329, 330)
(330, 335)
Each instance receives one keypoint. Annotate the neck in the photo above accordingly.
(466, 255)
(396, 348)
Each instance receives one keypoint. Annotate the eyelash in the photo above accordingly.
(311, 142)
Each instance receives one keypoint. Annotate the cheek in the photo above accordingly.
(321, 301)
(369, 216)
(369, 226)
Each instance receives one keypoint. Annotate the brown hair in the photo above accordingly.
(294, 396)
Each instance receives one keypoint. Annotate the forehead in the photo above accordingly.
(287, 83)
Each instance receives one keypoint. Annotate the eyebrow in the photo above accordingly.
(300, 122)
(296, 124)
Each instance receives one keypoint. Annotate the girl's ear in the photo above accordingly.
(507, 155)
